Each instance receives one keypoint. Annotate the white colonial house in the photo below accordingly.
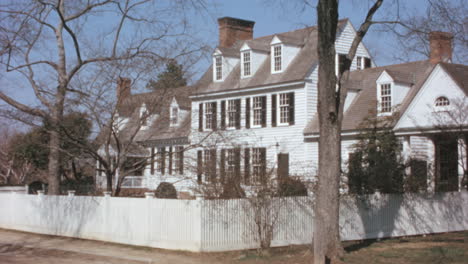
(254, 111)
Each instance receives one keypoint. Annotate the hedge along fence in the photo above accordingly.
(220, 225)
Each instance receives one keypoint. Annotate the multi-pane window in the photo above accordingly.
(174, 116)
(277, 57)
(257, 108)
(258, 164)
(178, 158)
(210, 115)
(209, 164)
(359, 62)
(232, 113)
(385, 98)
(161, 160)
(219, 67)
(442, 101)
(284, 107)
(246, 62)
(231, 164)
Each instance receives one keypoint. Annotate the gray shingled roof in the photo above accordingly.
(365, 103)
(297, 70)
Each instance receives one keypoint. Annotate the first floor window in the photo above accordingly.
(385, 98)
(179, 159)
(232, 112)
(258, 164)
(161, 160)
(230, 164)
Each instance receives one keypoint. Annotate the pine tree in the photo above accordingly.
(172, 77)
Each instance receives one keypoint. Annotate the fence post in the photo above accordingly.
(71, 193)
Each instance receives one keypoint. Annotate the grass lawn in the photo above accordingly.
(439, 248)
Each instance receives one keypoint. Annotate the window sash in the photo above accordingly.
(385, 98)
(177, 158)
(219, 68)
(230, 164)
(246, 64)
(442, 101)
(359, 62)
(284, 108)
(277, 57)
(174, 116)
(209, 115)
(257, 111)
(258, 164)
(231, 113)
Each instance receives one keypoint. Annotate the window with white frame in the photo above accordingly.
(174, 116)
(385, 98)
(442, 101)
(219, 67)
(178, 158)
(284, 108)
(246, 63)
(231, 113)
(231, 163)
(359, 62)
(257, 108)
(209, 166)
(258, 163)
(277, 58)
(209, 115)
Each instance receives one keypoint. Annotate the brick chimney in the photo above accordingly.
(441, 46)
(233, 29)
(123, 88)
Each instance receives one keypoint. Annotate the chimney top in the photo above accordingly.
(123, 88)
(233, 29)
(440, 46)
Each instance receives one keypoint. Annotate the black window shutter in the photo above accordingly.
(238, 113)
(222, 170)
(273, 110)
(247, 166)
(263, 162)
(181, 160)
(264, 111)
(152, 161)
(223, 114)
(170, 160)
(163, 160)
(213, 165)
(291, 108)
(367, 63)
(199, 166)
(215, 114)
(237, 168)
(283, 165)
(200, 117)
(247, 112)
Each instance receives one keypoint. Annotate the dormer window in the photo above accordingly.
(442, 101)
(219, 68)
(144, 116)
(386, 98)
(277, 53)
(246, 69)
(174, 116)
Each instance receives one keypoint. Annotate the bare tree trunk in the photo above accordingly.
(326, 241)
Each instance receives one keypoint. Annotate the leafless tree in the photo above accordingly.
(331, 98)
(412, 30)
(49, 44)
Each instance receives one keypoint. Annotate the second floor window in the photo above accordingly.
(174, 116)
(258, 108)
(219, 67)
(277, 58)
(246, 63)
(385, 98)
(284, 108)
(359, 63)
(210, 115)
(442, 101)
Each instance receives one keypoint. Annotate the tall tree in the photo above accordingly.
(172, 77)
(50, 43)
(331, 98)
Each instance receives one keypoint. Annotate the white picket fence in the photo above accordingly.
(210, 225)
